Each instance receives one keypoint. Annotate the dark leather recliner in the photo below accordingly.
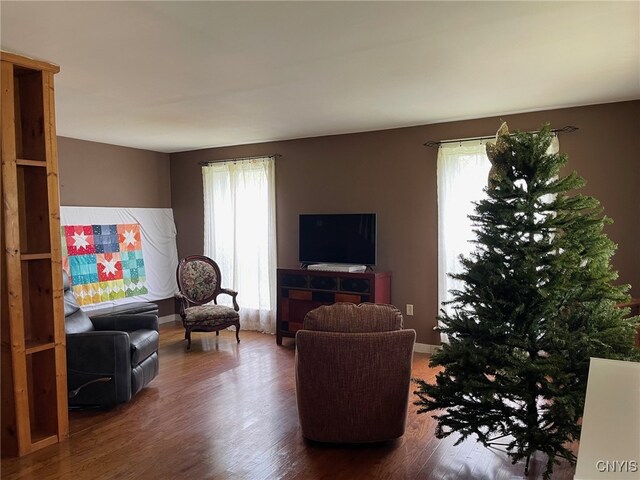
(109, 358)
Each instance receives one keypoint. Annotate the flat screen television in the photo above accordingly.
(348, 238)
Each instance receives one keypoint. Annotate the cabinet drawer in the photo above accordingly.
(300, 294)
(347, 297)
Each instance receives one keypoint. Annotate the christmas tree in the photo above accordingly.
(537, 302)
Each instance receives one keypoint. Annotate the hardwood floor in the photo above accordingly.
(228, 411)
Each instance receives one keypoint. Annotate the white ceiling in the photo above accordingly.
(179, 75)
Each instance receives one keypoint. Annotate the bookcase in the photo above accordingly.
(300, 291)
(34, 390)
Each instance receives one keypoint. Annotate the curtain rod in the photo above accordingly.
(433, 143)
(238, 159)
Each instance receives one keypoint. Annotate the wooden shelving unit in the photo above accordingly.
(34, 377)
(300, 291)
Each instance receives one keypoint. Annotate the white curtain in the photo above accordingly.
(240, 235)
(463, 168)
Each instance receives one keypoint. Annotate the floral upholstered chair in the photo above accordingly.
(199, 282)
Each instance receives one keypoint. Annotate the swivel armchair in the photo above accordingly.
(353, 372)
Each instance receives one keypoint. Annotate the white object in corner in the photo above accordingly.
(609, 442)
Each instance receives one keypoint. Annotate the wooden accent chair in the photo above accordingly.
(353, 373)
(199, 282)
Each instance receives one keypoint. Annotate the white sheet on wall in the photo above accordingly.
(158, 234)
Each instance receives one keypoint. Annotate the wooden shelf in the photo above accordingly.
(35, 256)
(35, 347)
(31, 163)
(34, 370)
(43, 439)
(28, 62)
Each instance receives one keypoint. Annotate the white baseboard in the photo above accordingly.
(169, 319)
(425, 348)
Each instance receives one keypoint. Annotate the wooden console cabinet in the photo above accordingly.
(300, 291)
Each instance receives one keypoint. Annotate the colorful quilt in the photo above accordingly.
(104, 262)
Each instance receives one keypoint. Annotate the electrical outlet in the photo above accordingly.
(409, 309)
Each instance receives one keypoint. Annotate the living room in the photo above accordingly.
(383, 169)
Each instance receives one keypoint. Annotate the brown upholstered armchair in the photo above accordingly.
(199, 282)
(353, 373)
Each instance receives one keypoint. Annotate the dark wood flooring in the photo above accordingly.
(228, 411)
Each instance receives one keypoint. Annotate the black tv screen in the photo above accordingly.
(338, 238)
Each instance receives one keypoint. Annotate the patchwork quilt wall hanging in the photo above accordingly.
(104, 262)
(119, 255)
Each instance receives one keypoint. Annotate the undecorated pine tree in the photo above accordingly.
(537, 301)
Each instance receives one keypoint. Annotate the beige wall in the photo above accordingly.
(101, 175)
(391, 173)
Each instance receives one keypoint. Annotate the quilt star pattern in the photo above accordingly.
(104, 262)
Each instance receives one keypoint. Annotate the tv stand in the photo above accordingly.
(301, 290)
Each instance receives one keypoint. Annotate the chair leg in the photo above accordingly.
(217, 333)
(188, 337)
(237, 331)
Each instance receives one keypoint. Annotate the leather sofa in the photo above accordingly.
(110, 358)
(353, 373)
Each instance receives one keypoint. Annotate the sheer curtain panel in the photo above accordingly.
(462, 176)
(240, 235)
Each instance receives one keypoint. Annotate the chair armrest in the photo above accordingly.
(98, 352)
(98, 368)
(233, 295)
(184, 303)
(126, 322)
